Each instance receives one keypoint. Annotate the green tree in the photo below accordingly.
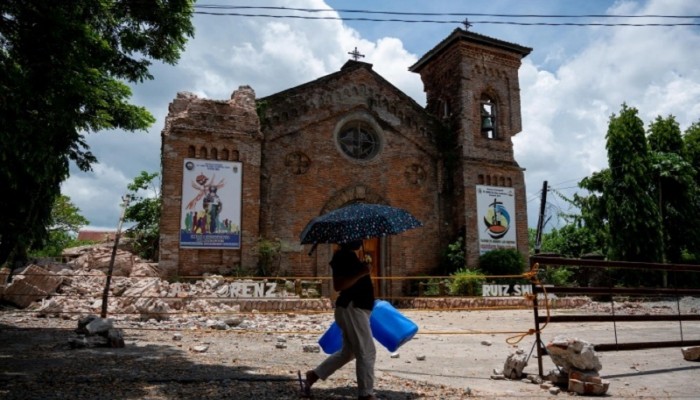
(633, 215)
(64, 225)
(145, 211)
(675, 188)
(64, 69)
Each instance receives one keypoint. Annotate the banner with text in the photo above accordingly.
(495, 207)
(211, 204)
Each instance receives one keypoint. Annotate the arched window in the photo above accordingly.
(488, 117)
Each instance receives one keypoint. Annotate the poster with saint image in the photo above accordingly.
(495, 207)
(211, 204)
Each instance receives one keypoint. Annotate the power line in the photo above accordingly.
(438, 21)
(458, 14)
(453, 22)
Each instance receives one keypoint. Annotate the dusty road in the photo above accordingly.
(461, 349)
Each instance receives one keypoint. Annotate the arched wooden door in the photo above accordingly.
(371, 247)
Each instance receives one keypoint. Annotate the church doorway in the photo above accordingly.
(371, 247)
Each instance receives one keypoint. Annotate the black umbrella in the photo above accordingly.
(358, 221)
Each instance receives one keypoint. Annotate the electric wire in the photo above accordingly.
(224, 10)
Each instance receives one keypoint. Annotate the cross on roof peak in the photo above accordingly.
(356, 54)
(466, 24)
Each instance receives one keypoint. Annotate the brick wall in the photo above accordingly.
(194, 128)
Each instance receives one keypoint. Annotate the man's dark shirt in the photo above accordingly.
(361, 294)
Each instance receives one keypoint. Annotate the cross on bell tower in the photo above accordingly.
(356, 54)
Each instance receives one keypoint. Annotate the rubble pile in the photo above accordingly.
(577, 360)
(137, 292)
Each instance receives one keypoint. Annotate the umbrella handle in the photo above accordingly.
(313, 248)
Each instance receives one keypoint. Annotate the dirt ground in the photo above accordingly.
(460, 349)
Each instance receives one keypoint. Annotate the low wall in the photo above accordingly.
(431, 303)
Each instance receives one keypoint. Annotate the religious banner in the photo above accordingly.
(495, 207)
(211, 204)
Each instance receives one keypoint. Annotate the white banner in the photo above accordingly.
(211, 204)
(495, 207)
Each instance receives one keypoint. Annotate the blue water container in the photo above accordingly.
(391, 328)
(332, 340)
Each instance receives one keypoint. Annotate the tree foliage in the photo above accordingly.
(144, 209)
(64, 225)
(675, 188)
(632, 211)
(64, 69)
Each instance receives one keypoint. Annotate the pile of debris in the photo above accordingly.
(76, 288)
(577, 368)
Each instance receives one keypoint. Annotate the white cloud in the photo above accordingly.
(566, 101)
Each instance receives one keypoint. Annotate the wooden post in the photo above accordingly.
(105, 294)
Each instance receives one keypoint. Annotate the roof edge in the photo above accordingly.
(460, 34)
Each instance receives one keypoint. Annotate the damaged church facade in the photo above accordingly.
(245, 169)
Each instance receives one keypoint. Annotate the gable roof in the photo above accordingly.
(348, 67)
(462, 35)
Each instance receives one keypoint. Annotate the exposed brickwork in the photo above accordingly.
(456, 74)
(199, 128)
(294, 168)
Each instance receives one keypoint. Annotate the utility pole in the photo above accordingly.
(105, 295)
(540, 220)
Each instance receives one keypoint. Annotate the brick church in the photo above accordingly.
(241, 170)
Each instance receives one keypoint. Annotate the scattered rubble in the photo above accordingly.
(691, 353)
(577, 359)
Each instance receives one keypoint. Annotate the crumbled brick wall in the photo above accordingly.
(232, 128)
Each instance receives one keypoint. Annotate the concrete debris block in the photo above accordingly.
(587, 383)
(691, 353)
(115, 338)
(536, 379)
(177, 337)
(585, 376)
(99, 326)
(99, 258)
(200, 349)
(569, 353)
(311, 348)
(49, 307)
(281, 345)
(420, 357)
(218, 325)
(588, 388)
(554, 390)
(152, 308)
(557, 377)
(233, 322)
(32, 284)
(497, 377)
(141, 269)
(514, 365)
(395, 355)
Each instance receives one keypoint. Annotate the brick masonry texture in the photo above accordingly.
(294, 168)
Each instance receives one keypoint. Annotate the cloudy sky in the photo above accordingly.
(575, 78)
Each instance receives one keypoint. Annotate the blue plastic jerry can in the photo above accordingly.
(389, 327)
(332, 340)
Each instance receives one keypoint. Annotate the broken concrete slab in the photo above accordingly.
(573, 353)
(31, 284)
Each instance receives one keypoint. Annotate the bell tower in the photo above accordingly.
(472, 87)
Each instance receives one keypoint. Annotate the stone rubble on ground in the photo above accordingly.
(691, 353)
(577, 359)
(93, 331)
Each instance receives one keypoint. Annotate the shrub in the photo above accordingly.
(467, 282)
(503, 262)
